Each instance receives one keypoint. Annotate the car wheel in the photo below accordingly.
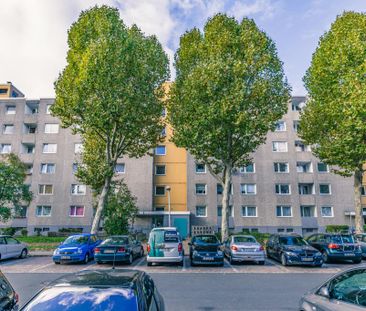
(261, 263)
(23, 254)
(221, 264)
(98, 262)
(319, 265)
(231, 261)
(149, 264)
(283, 260)
(86, 259)
(357, 261)
(56, 262)
(325, 256)
(130, 259)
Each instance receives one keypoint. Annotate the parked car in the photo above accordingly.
(206, 249)
(76, 248)
(8, 297)
(336, 246)
(118, 248)
(345, 291)
(292, 249)
(110, 290)
(11, 247)
(361, 239)
(244, 248)
(165, 246)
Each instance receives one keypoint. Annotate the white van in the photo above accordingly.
(165, 245)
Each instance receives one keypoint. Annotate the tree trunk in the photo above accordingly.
(358, 207)
(225, 204)
(101, 203)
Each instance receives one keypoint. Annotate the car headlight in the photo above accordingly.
(80, 251)
(56, 251)
(220, 253)
(291, 254)
(195, 253)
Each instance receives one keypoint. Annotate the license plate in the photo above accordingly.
(208, 258)
(65, 257)
(307, 259)
(247, 250)
(109, 251)
(348, 254)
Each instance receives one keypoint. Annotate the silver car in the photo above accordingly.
(11, 247)
(361, 239)
(244, 248)
(344, 291)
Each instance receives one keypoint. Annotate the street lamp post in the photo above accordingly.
(169, 214)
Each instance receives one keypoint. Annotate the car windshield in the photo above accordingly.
(83, 299)
(244, 239)
(76, 239)
(115, 241)
(344, 238)
(206, 239)
(292, 240)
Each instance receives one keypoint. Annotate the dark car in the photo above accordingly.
(8, 297)
(118, 248)
(292, 249)
(98, 290)
(361, 239)
(345, 291)
(206, 249)
(336, 246)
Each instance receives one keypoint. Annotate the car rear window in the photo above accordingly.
(206, 239)
(164, 236)
(115, 241)
(244, 239)
(83, 299)
(339, 239)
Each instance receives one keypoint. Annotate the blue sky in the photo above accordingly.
(35, 31)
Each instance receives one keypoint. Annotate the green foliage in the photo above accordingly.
(334, 120)
(13, 191)
(24, 232)
(9, 231)
(71, 230)
(120, 210)
(337, 228)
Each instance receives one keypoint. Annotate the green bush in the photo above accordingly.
(9, 231)
(337, 228)
(71, 230)
(24, 232)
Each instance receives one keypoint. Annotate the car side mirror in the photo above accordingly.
(324, 291)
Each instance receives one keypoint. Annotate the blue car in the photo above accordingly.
(76, 248)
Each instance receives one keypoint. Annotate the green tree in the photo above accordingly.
(13, 191)
(120, 210)
(229, 91)
(111, 92)
(334, 120)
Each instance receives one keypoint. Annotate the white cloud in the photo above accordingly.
(240, 9)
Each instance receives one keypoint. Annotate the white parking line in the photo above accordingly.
(88, 266)
(228, 263)
(277, 265)
(42, 267)
(184, 269)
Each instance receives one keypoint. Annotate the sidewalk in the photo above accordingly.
(40, 253)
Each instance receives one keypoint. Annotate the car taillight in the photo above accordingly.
(234, 247)
(180, 247)
(97, 250)
(261, 248)
(148, 248)
(333, 246)
(121, 250)
(16, 297)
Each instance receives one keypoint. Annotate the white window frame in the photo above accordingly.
(47, 165)
(43, 186)
(277, 143)
(245, 186)
(284, 126)
(330, 189)
(160, 195)
(322, 172)
(51, 128)
(10, 112)
(231, 210)
(200, 194)
(282, 206)
(48, 106)
(205, 211)
(331, 209)
(314, 209)
(77, 216)
(7, 126)
(312, 189)
(243, 169)
(49, 144)
(311, 170)
(279, 188)
(245, 207)
(278, 166)
(2, 148)
(156, 169)
(160, 154)
(204, 166)
(78, 187)
(42, 208)
(295, 125)
(120, 172)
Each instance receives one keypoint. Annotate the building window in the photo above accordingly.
(30, 128)
(76, 211)
(283, 189)
(323, 168)
(250, 168)
(28, 148)
(283, 211)
(75, 167)
(160, 150)
(326, 211)
(45, 189)
(5, 148)
(20, 212)
(363, 191)
(200, 168)
(248, 189)
(297, 105)
(308, 211)
(159, 190)
(280, 126)
(220, 189)
(324, 189)
(43, 211)
(301, 147)
(49, 148)
(8, 129)
(78, 189)
(160, 170)
(48, 168)
(48, 108)
(78, 148)
(51, 128)
(201, 211)
(10, 109)
(249, 211)
(31, 107)
(296, 125)
(163, 132)
(201, 189)
(219, 211)
(304, 167)
(281, 167)
(159, 208)
(119, 168)
(29, 169)
(279, 146)
(305, 189)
